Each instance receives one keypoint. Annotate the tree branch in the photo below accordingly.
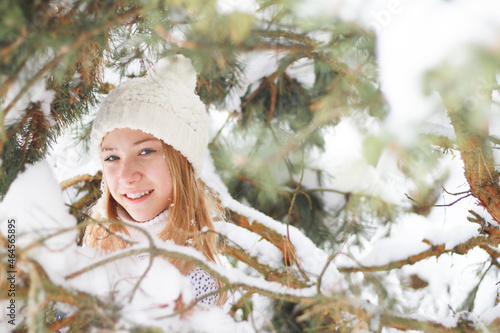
(478, 161)
(270, 235)
(433, 251)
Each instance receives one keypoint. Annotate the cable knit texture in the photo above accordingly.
(152, 227)
(164, 104)
(203, 283)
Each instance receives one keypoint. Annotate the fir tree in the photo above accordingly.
(53, 58)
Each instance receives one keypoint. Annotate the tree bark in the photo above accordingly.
(479, 165)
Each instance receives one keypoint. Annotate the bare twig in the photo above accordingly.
(75, 180)
(433, 205)
(433, 251)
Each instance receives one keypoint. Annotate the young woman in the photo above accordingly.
(151, 135)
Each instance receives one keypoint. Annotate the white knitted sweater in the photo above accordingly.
(202, 282)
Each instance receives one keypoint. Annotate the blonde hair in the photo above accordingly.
(189, 214)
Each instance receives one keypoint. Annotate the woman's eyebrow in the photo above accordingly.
(134, 144)
(144, 140)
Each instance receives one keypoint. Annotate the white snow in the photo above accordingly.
(241, 6)
(413, 37)
(252, 243)
(349, 171)
(35, 202)
(419, 36)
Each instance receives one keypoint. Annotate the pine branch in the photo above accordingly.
(241, 302)
(48, 66)
(478, 161)
(433, 251)
(88, 306)
(270, 235)
(336, 307)
(326, 305)
(269, 274)
(177, 252)
(82, 38)
(78, 179)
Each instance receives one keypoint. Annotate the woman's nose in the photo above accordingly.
(130, 172)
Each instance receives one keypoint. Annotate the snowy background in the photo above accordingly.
(413, 37)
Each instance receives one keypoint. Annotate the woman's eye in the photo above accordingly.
(147, 151)
(110, 158)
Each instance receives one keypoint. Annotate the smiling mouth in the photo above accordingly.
(137, 195)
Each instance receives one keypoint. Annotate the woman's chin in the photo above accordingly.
(140, 216)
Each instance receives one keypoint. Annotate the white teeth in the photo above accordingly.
(137, 195)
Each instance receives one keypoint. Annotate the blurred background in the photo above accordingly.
(366, 132)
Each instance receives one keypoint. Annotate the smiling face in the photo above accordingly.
(137, 173)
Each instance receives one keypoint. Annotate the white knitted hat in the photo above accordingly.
(164, 104)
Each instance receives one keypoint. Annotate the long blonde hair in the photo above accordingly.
(190, 212)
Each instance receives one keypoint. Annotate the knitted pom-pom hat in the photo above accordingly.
(163, 104)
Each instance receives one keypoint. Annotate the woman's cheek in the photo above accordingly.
(111, 178)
